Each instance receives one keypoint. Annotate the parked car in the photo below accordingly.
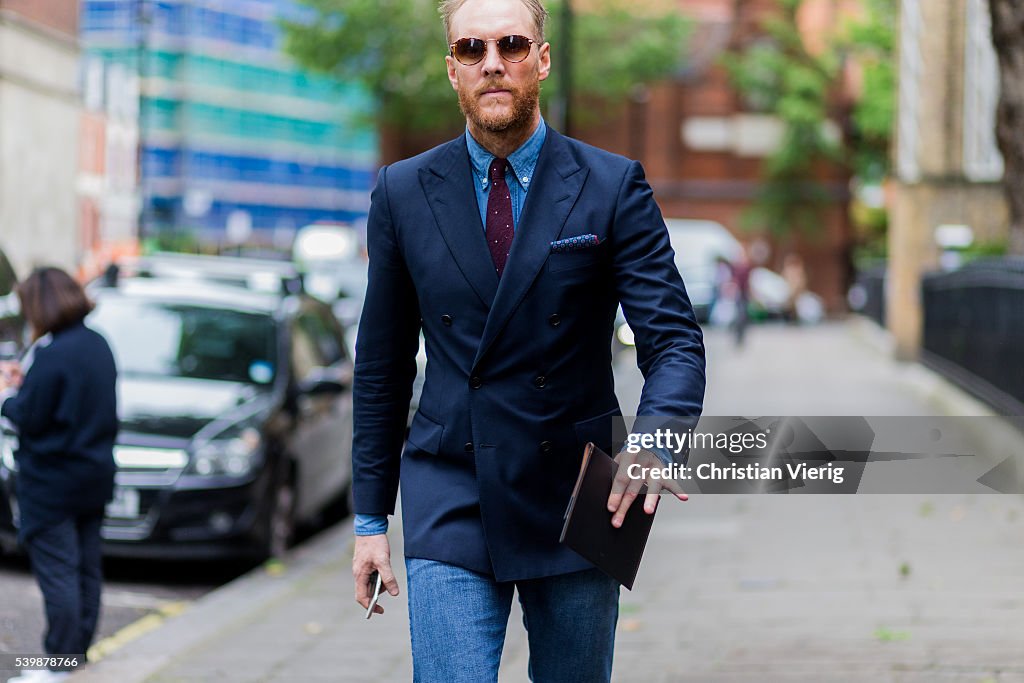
(11, 322)
(350, 280)
(331, 260)
(235, 405)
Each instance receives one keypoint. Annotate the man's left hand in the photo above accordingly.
(625, 488)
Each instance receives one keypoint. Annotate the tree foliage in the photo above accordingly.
(872, 43)
(780, 76)
(396, 49)
(618, 45)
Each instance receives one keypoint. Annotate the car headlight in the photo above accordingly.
(7, 453)
(235, 454)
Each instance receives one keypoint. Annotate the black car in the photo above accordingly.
(236, 411)
(11, 322)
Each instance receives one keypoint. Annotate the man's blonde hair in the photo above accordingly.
(448, 8)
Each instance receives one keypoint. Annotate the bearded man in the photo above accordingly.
(510, 248)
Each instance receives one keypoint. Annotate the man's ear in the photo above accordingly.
(544, 62)
(452, 76)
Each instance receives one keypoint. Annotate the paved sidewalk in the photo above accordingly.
(737, 589)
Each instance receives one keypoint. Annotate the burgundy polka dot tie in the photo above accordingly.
(499, 216)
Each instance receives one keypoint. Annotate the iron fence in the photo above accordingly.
(974, 328)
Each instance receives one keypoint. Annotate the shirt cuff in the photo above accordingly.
(663, 454)
(370, 525)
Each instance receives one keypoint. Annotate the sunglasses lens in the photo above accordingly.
(514, 48)
(469, 50)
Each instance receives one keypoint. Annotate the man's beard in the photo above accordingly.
(524, 103)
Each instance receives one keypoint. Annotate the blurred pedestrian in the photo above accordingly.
(741, 269)
(510, 248)
(720, 287)
(795, 275)
(62, 402)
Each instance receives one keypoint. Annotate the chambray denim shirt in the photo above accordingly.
(523, 162)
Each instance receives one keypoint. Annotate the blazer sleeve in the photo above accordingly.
(34, 408)
(669, 342)
(385, 364)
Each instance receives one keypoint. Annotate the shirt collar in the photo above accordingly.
(523, 160)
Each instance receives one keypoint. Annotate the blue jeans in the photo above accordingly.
(458, 617)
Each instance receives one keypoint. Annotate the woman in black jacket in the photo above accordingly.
(65, 412)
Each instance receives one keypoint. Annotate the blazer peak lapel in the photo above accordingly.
(448, 186)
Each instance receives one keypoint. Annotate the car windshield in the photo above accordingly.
(168, 339)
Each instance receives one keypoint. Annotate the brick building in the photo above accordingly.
(238, 144)
(948, 167)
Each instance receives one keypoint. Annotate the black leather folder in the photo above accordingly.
(588, 525)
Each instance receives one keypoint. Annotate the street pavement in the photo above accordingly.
(132, 590)
(822, 589)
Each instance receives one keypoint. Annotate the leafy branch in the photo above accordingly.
(395, 50)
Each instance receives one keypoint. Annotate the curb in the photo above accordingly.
(153, 644)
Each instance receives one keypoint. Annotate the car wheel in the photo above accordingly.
(281, 522)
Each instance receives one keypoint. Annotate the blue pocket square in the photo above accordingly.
(574, 243)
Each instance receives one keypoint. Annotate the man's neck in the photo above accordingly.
(504, 143)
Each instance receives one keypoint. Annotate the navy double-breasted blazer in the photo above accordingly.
(519, 371)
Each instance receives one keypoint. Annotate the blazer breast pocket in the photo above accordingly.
(578, 258)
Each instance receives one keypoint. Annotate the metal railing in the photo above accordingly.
(974, 328)
(868, 293)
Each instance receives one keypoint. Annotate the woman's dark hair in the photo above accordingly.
(51, 300)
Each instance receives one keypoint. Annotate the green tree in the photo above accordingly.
(779, 75)
(619, 44)
(871, 42)
(396, 49)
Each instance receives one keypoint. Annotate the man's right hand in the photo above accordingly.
(372, 553)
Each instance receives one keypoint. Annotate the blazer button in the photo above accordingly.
(447, 320)
(476, 382)
(555, 320)
(545, 446)
(540, 382)
(469, 447)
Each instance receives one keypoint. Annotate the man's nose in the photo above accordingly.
(493, 63)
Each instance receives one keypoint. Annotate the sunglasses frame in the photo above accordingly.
(530, 42)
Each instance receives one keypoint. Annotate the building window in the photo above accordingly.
(982, 160)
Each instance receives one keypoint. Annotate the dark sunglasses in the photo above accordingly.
(470, 51)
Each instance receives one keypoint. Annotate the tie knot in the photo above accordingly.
(497, 171)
